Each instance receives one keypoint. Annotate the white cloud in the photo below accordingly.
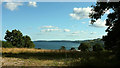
(81, 13)
(77, 32)
(66, 30)
(108, 11)
(48, 27)
(83, 31)
(99, 23)
(34, 4)
(50, 30)
(13, 5)
(93, 32)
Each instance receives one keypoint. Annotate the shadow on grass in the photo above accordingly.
(43, 55)
(85, 59)
(98, 60)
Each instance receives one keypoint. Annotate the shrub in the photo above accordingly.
(73, 49)
(98, 47)
(84, 47)
(62, 48)
(6, 44)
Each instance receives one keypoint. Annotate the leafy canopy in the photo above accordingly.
(97, 47)
(112, 21)
(84, 47)
(16, 39)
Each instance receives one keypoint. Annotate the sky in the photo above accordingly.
(52, 20)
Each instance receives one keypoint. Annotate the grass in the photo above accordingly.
(38, 57)
(41, 57)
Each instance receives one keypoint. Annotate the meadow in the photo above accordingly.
(64, 58)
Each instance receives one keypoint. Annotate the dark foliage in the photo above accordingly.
(62, 48)
(16, 39)
(97, 47)
(6, 44)
(113, 22)
(84, 47)
(73, 49)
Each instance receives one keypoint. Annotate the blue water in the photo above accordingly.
(55, 45)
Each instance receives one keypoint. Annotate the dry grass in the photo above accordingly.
(30, 62)
(22, 50)
(35, 57)
(42, 57)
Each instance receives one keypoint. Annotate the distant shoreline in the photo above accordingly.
(55, 41)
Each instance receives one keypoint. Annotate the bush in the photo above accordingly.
(84, 47)
(62, 48)
(98, 47)
(6, 44)
(73, 49)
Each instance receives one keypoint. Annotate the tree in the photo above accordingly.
(97, 47)
(113, 22)
(62, 48)
(84, 47)
(73, 49)
(6, 44)
(27, 42)
(17, 39)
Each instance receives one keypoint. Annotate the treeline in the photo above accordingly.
(16, 39)
(90, 45)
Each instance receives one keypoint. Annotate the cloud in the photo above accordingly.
(72, 35)
(55, 29)
(83, 31)
(77, 32)
(13, 5)
(80, 13)
(108, 12)
(50, 30)
(66, 30)
(34, 4)
(48, 27)
(93, 32)
(99, 23)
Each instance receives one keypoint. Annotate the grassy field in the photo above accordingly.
(36, 57)
(41, 57)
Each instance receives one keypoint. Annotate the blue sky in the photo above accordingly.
(52, 20)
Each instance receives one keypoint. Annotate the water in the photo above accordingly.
(55, 44)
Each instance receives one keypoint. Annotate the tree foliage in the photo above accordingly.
(7, 44)
(62, 48)
(17, 39)
(73, 49)
(27, 42)
(112, 21)
(97, 47)
(84, 47)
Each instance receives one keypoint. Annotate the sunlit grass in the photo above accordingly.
(22, 50)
